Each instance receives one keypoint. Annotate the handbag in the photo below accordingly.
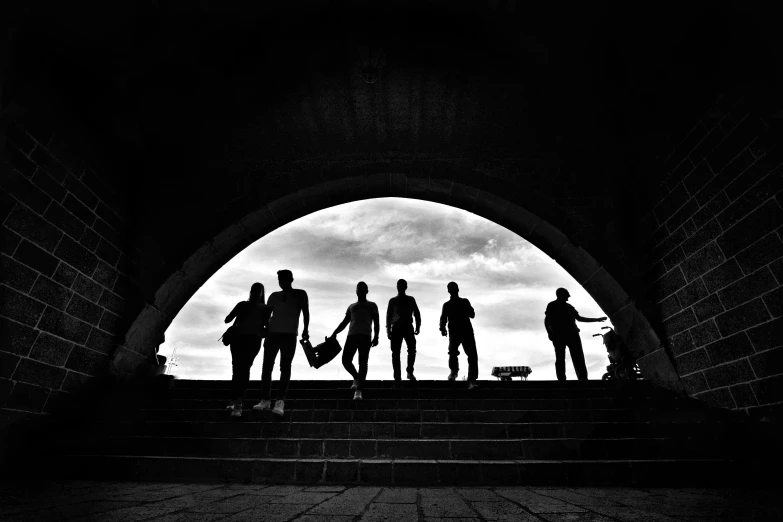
(323, 353)
(228, 335)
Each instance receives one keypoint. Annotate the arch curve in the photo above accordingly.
(631, 324)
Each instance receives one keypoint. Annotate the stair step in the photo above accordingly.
(345, 393)
(472, 449)
(423, 415)
(424, 433)
(346, 402)
(402, 472)
(437, 384)
(451, 430)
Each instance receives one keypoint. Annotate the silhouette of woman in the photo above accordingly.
(252, 317)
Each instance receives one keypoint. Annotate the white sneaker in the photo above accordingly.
(453, 375)
(357, 395)
(263, 405)
(236, 411)
(355, 384)
(472, 386)
(278, 409)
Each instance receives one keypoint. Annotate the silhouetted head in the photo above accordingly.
(361, 289)
(402, 285)
(453, 288)
(285, 278)
(562, 294)
(257, 292)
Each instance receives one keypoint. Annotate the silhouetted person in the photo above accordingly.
(458, 312)
(251, 319)
(560, 323)
(281, 337)
(362, 317)
(399, 325)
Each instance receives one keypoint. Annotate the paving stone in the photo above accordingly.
(503, 511)
(268, 513)
(324, 518)
(127, 514)
(574, 517)
(482, 494)
(326, 489)
(229, 505)
(627, 514)
(302, 497)
(389, 513)
(443, 503)
(189, 500)
(351, 502)
(280, 490)
(192, 517)
(571, 497)
(538, 503)
(397, 496)
(430, 519)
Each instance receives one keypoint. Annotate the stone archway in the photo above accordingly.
(630, 323)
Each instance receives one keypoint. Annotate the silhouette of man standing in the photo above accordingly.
(399, 325)
(560, 323)
(362, 316)
(281, 337)
(457, 312)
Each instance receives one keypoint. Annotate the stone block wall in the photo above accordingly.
(718, 260)
(66, 270)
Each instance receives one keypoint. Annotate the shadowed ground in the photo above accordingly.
(169, 502)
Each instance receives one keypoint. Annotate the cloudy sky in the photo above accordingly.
(508, 281)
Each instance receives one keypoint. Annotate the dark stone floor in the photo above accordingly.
(168, 502)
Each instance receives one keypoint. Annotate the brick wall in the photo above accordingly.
(66, 285)
(718, 257)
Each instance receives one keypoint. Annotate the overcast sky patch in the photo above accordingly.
(508, 281)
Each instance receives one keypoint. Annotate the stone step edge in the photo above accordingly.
(398, 439)
(288, 410)
(232, 422)
(669, 473)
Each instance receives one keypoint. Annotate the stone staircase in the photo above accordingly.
(425, 433)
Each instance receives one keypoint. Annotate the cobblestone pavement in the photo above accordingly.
(79, 501)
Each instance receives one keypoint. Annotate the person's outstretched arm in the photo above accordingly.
(590, 319)
(417, 316)
(376, 322)
(342, 325)
(305, 315)
(230, 317)
(443, 320)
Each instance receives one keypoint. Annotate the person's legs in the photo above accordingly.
(271, 347)
(469, 345)
(243, 353)
(236, 368)
(410, 342)
(351, 345)
(577, 357)
(364, 356)
(560, 359)
(396, 345)
(454, 342)
(287, 352)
